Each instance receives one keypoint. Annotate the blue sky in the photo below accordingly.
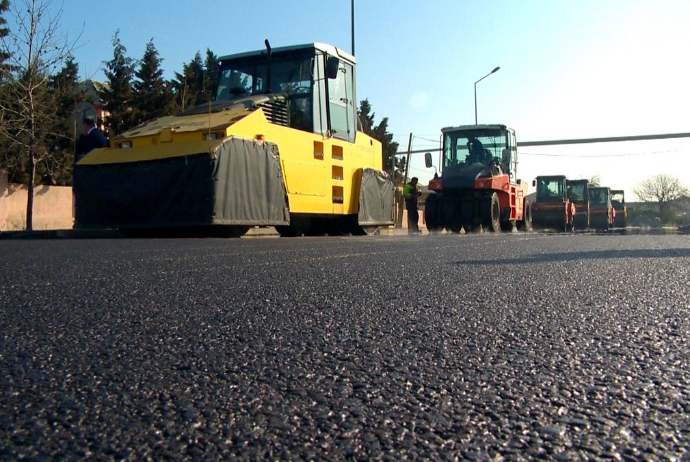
(569, 68)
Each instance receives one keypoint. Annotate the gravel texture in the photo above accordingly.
(515, 346)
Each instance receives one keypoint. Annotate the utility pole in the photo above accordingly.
(352, 20)
(400, 200)
(407, 163)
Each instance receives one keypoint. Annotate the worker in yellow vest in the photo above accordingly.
(411, 195)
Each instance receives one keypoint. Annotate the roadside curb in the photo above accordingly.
(97, 234)
(116, 234)
(62, 234)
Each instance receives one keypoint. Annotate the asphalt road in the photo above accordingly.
(441, 347)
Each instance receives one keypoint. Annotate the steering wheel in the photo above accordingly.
(238, 91)
(301, 90)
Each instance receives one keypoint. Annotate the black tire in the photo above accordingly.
(431, 217)
(472, 228)
(526, 223)
(508, 226)
(286, 231)
(493, 221)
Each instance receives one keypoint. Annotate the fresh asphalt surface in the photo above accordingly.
(441, 347)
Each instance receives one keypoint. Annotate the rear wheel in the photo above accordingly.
(431, 214)
(526, 223)
(492, 221)
(472, 228)
(508, 226)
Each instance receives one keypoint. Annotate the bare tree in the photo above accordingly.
(662, 189)
(35, 50)
(595, 180)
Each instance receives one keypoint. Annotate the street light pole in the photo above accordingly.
(352, 24)
(475, 92)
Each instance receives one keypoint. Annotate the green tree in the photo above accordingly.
(151, 93)
(393, 165)
(189, 85)
(65, 93)
(211, 75)
(4, 75)
(119, 95)
(366, 117)
(4, 32)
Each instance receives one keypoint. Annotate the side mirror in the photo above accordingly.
(427, 160)
(332, 67)
(534, 183)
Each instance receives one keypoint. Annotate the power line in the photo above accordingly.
(600, 155)
(426, 139)
(401, 135)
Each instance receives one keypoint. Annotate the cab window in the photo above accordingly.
(341, 103)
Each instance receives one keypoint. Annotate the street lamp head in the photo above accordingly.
(475, 92)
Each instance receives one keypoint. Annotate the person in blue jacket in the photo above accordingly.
(91, 139)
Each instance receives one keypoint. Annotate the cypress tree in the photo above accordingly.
(189, 85)
(212, 75)
(151, 95)
(380, 132)
(65, 94)
(118, 97)
(4, 32)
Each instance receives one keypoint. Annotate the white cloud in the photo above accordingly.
(419, 101)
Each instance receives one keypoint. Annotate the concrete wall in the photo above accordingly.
(52, 206)
(4, 203)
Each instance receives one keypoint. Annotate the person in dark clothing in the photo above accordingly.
(91, 139)
(411, 196)
(477, 154)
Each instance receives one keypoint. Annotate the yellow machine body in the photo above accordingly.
(320, 173)
(309, 117)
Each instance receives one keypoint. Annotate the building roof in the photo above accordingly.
(94, 89)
